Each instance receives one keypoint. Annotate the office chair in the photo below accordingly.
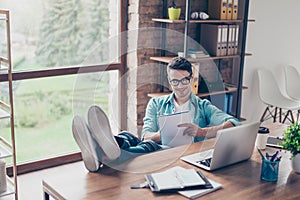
(276, 102)
(292, 84)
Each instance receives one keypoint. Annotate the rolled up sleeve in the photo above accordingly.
(216, 117)
(150, 119)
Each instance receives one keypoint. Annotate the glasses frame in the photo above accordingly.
(188, 78)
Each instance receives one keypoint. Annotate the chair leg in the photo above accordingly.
(269, 112)
(280, 114)
(264, 114)
(292, 116)
(275, 114)
(286, 117)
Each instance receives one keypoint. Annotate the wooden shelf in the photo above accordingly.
(209, 21)
(2, 59)
(4, 114)
(8, 149)
(228, 91)
(193, 60)
(4, 152)
(4, 146)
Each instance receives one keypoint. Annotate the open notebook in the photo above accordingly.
(176, 179)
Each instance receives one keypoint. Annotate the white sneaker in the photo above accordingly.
(86, 143)
(101, 131)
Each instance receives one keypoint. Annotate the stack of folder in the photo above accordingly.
(220, 40)
(195, 79)
(223, 9)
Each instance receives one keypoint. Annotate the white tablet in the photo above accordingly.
(170, 134)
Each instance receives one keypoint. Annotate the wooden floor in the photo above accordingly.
(30, 185)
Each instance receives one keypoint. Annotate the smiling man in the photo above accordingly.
(207, 118)
(98, 144)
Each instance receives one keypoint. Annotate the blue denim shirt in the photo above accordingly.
(205, 114)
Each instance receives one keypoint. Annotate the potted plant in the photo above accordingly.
(173, 11)
(292, 143)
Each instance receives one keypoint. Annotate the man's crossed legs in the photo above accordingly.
(99, 146)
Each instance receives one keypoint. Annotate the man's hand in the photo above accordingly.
(154, 136)
(198, 132)
(193, 130)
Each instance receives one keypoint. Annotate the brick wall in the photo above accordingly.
(144, 41)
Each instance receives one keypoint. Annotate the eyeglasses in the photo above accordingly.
(184, 81)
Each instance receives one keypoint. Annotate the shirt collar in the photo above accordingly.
(171, 98)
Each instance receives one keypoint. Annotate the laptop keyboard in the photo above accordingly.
(205, 162)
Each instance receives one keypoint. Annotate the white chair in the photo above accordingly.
(271, 95)
(292, 86)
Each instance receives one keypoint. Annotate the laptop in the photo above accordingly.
(232, 145)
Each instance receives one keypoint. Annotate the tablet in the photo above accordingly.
(170, 134)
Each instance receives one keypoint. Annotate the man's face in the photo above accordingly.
(182, 91)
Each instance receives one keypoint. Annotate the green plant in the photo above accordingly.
(292, 139)
(173, 4)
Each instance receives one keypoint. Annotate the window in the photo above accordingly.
(55, 45)
(59, 33)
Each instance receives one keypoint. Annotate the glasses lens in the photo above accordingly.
(174, 82)
(185, 81)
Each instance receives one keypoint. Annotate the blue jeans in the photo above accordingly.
(131, 147)
(131, 143)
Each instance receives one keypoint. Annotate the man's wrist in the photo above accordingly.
(201, 132)
(155, 136)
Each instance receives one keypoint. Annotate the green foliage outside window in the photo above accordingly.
(69, 30)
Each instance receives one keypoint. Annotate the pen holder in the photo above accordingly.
(269, 170)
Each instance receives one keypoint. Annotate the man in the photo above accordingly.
(98, 145)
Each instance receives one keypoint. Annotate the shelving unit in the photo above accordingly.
(240, 56)
(7, 112)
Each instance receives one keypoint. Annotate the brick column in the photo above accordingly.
(143, 73)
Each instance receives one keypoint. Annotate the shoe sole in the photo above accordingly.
(101, 131)
(83, 138)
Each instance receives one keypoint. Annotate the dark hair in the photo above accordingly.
(180, 63)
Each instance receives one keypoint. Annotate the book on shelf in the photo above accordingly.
(228, 103)
(195, 78)
(194, 54)
(224, 41)
(211, 39)
(231, 38)
(177, 179)
(193, 194)
(217, 9)
(236, 39)
(220, 40)
(229, 9)
(235, 7)
(227, 70)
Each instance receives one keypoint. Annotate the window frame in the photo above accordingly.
(63, 71)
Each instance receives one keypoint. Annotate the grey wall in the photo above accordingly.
(274, 40)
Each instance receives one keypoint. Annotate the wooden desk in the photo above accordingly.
(240, 181)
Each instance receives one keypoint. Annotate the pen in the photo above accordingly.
(261, 154)
(278, 158)
(268, 156)
(274, 156)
